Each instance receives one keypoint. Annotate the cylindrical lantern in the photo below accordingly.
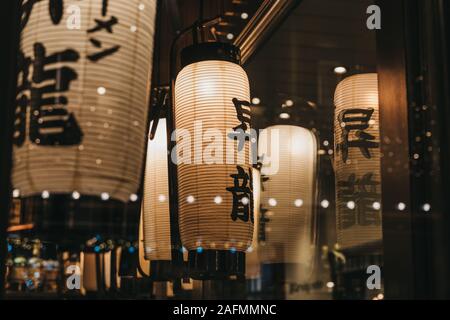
(156, 218)
(97, 271)
(144, 263)
(212, 118)
(82, 99)
(287, 218)
(357, 162)
(92, 266)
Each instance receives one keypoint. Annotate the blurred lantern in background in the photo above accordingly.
(92, 272)
(214, 170)
(252, 260)
(82, 101)
(156, 214)
(357, 162)
(287, 219)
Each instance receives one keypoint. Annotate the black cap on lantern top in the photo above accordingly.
(210, 51)
(70, 223)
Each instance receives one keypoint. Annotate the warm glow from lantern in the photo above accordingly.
(204, 91)
(253, 263)
(289, 227)
(107, 98)
(357, 168)
(156, 214)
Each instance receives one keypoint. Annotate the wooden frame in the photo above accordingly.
(393, 109)
(413, 69)
(9, 20)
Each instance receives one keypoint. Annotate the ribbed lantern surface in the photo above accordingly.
(82, 97)
(156, 215)
(252, 260)
(287, 219)
(218, 177)
(357, 161)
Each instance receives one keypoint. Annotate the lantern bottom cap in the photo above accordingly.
(70, 223)
(162, 270)
(216, 264)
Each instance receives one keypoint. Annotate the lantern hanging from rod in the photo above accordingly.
(83, 97)
(215, 193)
(288, 199)
(357, 162)
(156, 214)
(81, 111)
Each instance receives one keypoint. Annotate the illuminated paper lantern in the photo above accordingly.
(215, 198)
(156, 214)
(82, 97)
(357, 161)
(287, 218)
(144, 263)
(156, 198)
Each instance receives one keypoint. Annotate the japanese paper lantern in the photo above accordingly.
(90, 269)
(215, 198)
(357, 162)
(82, 97)
(287, 218)
(144, 263)
(156, 214)
(97, 271)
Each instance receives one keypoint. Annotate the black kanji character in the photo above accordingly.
(26, 9)
(22, 99)
(356, 120)
(102, 54)
(262, 223)
(107, 25)
(104, 7)
(241, 190)
(56, 8)
(259, 165)
(363, 192)
(50, 122)
(243, 116)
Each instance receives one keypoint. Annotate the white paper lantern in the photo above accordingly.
(287, 218)
(83, 97)
(157, 240)
(357, 162)
(205, 90)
